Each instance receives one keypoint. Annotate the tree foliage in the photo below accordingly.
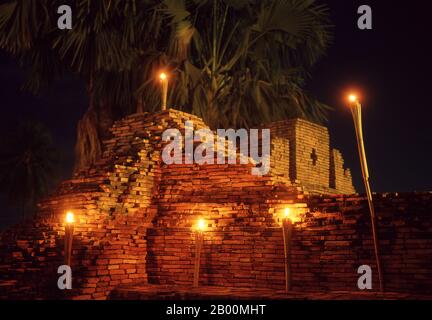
(233, 62)
(241, 63)
(28, 164)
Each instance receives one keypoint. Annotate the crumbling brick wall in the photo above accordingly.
(112, 205)
(311, 162)
(312, 159)
(340, 177)
(114, 202)
(134, 218)
(279, 159)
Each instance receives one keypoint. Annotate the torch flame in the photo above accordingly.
(287, 213)
(201, 225)
(352, 98)
(70, 217)
(291, 214)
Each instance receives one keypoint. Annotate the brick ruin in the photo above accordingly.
(134, 218)
(312, 163)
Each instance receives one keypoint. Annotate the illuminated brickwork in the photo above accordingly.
(340, 177)
(134, 218)
(312, 163)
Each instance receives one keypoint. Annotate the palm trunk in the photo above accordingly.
(140, 105)
(139, 100)
(88, 146)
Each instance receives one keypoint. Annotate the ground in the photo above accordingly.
(145, 291)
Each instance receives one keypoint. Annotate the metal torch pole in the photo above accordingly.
(69, 230)
(357, 117)
(287, 235)
(199, 237)
(164, 93)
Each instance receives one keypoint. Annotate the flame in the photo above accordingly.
(291, 214)
(163, 76)
(70, 217)
(352, 98)
(287, 213)
(201, 225)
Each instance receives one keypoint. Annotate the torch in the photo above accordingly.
(355, 108)
(199, 239)
(164, 81)
(287, 236)
(69, 230)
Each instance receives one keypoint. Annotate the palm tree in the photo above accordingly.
(96, 47)
(93, 49)
(234, 62)
(28, 164)
(243, 63)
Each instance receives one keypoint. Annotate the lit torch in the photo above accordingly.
(69, 230)
(164, 81)
(356, 111)
(287, 227)
(199, 239)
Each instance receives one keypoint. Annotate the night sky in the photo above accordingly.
(390, 66)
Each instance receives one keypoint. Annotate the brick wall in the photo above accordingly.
(112, 205)
(312, 158)
(279, 160)
(114, 202)
(134, 218)
(340, 177)
(339, 229)
(312, 163)
(329, 244)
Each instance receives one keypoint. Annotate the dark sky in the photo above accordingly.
(390, 65)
